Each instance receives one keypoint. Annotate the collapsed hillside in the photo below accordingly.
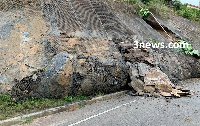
(57, 48)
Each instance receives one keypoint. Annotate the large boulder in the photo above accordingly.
(70, 75)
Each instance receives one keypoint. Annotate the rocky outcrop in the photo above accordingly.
(82, 46)
(190, 30)
(70, 75)
(176, 66)
(21, 48)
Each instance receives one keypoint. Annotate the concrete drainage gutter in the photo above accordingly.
(68, 107)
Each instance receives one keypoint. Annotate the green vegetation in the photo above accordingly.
(188, 50)
(154, 41)
(8, 108)
(164, 7)
(73, 99)
(145, 13)
(189, 13)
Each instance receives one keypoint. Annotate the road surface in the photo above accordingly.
(132, 111)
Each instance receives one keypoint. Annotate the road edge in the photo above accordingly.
(68, 107)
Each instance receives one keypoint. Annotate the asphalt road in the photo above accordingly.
(133, 111)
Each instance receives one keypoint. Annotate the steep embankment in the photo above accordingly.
(83, 46)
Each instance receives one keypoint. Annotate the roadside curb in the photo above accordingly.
(68, 107)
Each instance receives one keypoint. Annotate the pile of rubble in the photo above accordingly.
(158, 84)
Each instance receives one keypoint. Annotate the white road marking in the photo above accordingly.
(96, 115)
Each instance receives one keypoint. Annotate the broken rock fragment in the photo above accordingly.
(157, 82)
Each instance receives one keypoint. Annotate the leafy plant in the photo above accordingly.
(187, 49)
(145, 13)
(177, 4)
(68, 98)
(5, 98)
(195, 52)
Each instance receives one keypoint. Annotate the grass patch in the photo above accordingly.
(73, 99)
(189, 13)
(165, 7)
(9, 109)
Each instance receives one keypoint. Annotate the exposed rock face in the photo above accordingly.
(21, 48)
(70, 74)
(46, 63)
(81, 46)
(188, 29)
(176, 66)
(16, 4)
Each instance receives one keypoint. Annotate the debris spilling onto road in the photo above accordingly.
(157, 83)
